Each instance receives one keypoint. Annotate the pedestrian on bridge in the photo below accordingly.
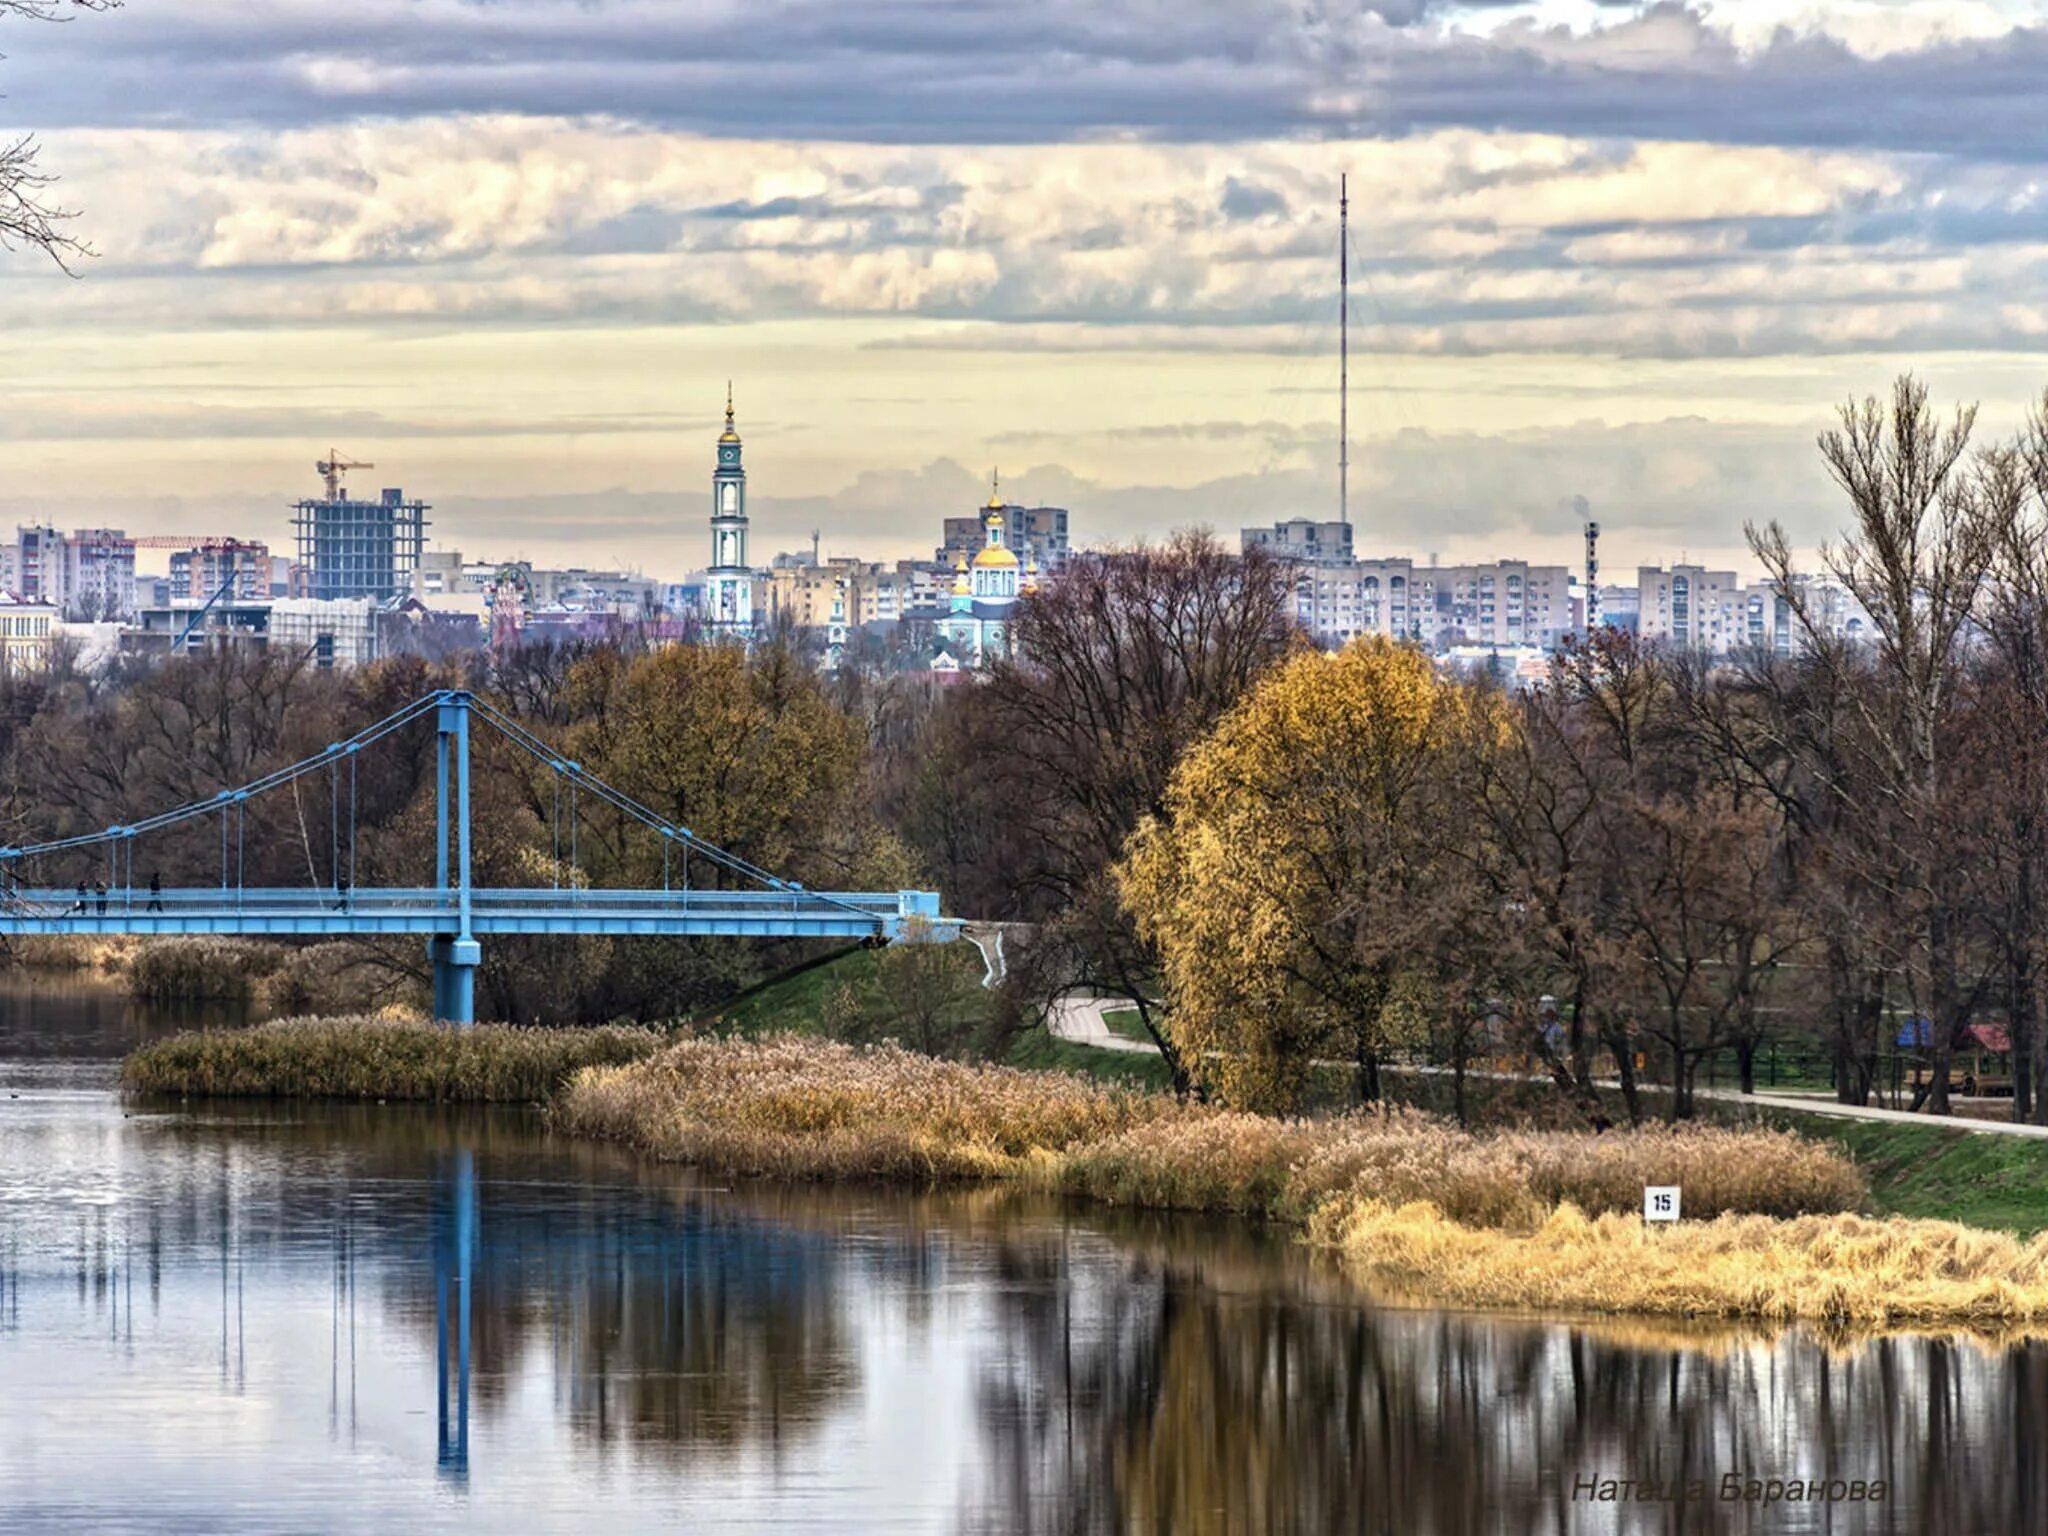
(156, 891)
(99, 891)
(341, 890)
(79, 909)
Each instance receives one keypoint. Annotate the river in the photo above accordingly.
(388, 1318)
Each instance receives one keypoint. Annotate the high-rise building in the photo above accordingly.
(38, 564)
(204, 569)
(360, 548)
(1501, 603)
(1035, 535)
(1303, 539)
(98, 575)
(729, 583)
(1690, 607)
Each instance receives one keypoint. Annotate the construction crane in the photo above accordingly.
(331, 468)
(199, 616)
(185, 540)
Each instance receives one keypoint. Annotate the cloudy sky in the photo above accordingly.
(511, 250)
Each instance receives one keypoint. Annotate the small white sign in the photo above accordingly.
(1660, 1202)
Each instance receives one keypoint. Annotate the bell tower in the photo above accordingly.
(729, 583)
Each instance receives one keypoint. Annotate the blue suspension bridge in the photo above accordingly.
(453, 914)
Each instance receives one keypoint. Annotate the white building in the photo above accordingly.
(1691, 607)
(333, 632)
(1504, 603)
(26, 631)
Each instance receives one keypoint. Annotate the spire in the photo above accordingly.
(995, 490)
(731, 433)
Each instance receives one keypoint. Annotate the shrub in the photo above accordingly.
(197, 968)
(330, 979)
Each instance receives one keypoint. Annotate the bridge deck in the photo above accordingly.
(428, 911)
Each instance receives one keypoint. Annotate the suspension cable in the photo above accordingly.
(333, 825)
(352, 819)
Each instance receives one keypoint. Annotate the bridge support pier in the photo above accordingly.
(455, 961)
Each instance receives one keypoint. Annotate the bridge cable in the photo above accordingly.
(333, 826)
(520, 736)
(218, 802)
(352, 821)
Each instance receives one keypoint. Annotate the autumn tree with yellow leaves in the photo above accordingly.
(1295, 890)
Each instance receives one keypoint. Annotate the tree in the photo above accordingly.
(1916, 558)
(1534, 787)
(1287, 887)
(26, 219)
(2016, 624)
(1122, 661)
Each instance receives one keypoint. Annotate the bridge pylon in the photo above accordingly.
(454, 956)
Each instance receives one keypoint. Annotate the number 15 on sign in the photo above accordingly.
(1660, 1202)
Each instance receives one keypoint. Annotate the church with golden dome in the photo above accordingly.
(985, 590)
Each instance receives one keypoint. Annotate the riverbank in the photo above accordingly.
(1544, 1220)
(1417, 1207)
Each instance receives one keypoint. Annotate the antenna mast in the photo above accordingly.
(1344, 348)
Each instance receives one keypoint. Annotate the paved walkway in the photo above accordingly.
(1077, 1017)
(1802, 1104)
(1080, 1019)
(1794, 1103)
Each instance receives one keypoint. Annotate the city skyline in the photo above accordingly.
(513, 252)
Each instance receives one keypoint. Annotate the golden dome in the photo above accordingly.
(728, 435)
(995, 558)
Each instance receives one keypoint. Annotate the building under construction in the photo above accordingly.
(359, 548)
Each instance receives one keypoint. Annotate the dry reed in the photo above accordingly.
(798, 1107)
(379, 1057)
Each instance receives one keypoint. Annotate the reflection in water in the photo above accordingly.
(597, 1344)
(454, 1239)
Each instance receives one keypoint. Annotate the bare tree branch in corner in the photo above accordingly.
(27, 220)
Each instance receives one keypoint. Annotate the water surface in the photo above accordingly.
(263, 1318)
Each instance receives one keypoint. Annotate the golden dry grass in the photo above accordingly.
(1836, 1270)
(798, 1107)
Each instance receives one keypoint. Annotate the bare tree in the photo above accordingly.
(27, 219)
(1123, 660)
(1916, 558)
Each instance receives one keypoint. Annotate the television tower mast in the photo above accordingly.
(1343, 348)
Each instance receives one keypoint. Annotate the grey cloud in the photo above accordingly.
(35, 419)
(1247, 200)
(990, 71)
